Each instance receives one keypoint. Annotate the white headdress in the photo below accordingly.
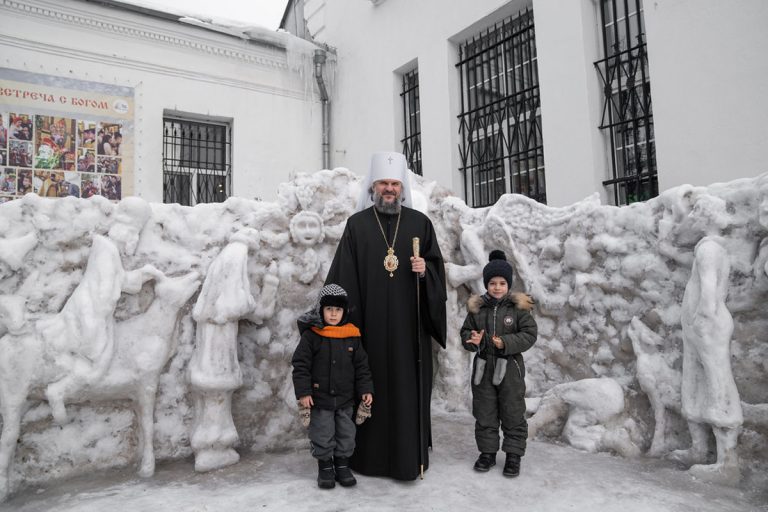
(386, 165)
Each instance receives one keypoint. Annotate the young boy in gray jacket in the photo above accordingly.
(499, 327)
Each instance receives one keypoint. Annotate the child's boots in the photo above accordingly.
(485, 462)
(512, 465)
(343, 474)
(326, 478)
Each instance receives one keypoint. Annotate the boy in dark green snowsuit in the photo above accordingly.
(499, 327)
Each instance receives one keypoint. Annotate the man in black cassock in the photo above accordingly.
(374, 262)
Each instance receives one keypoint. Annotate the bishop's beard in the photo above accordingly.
(384, 207)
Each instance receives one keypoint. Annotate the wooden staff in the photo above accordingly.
(418, 363)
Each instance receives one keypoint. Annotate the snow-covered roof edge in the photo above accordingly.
(246, 31)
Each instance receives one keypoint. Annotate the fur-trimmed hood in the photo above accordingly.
(520, 300)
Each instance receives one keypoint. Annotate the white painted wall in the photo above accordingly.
(568, 43)
(709, 80)
(709, 83)
(275, 115)
(374, 43)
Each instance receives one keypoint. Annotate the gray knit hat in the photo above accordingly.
(497, 267)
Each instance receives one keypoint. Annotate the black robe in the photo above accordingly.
(384, 308)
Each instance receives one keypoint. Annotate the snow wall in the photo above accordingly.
(591, 268)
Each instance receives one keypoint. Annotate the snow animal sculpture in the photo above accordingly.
(143, 346)
(81, 335)
(214, 371)
(593, 411)
(657, 378)
(708, 393)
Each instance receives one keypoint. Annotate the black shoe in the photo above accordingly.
(512, 465)
(485, 462)
(343, 474)
(326, 477)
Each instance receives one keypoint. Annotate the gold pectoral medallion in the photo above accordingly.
(390, 262)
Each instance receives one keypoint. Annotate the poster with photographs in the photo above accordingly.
(61, 137)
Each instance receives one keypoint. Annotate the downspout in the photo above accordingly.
(320, 58)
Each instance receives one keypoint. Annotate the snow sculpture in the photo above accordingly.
(709, 393)
(471, 246)
(142, 346)
(592, 269)
(657, 378)
(214, 370)
(12, 316)
(307, 231)
(307, 228)
(594, 416)
(81, 336)
(761, 261)
(12, 251)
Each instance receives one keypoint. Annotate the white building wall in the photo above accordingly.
(381, 42)
(567, 44)
(709, 83)
(276, 118)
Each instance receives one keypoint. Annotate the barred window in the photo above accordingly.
(196, 161)
(627, 117)
(502, 148)
(411, 121)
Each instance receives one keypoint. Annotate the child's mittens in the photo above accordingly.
(363, 413)
(304, 413)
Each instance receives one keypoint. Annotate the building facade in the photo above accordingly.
(555, 100)
(210, 111)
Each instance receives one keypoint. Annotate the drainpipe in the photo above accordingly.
(319, 64)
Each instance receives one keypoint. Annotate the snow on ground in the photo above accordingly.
(553, 478)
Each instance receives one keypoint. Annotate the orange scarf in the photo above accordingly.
(337, 331)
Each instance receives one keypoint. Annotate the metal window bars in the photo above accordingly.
(412, 121)
(627, 116)
(501, 147)
(196, 161)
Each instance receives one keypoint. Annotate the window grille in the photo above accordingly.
(412, 121)
(501, 145)
(196, 161)
(627, 116)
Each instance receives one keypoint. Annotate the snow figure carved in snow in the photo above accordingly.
(142, 346)
(214, 371)
(658, 379)
(709, 394)
(593, 410)
(761, 262)
(12, 251)
(307, 231)
(471, 246)
(81, 337)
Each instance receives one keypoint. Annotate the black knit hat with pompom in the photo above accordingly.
(497, 267)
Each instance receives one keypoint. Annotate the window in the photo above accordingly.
(196, 161)
(627, 117)
(501, 145)
(412, 121)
